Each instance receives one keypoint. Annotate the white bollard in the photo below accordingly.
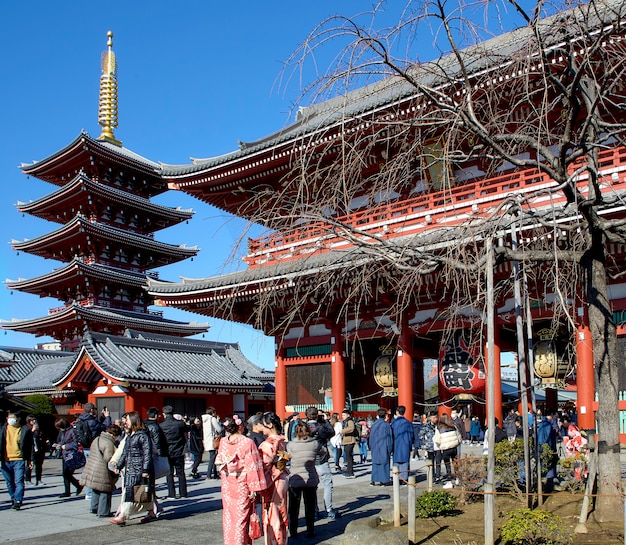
(411, 508)
(396, 497)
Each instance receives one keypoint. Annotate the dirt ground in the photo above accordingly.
(467, 527)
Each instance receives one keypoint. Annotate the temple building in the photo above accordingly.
(105, 239)
(348, 331)
(115, 351)
(138, 370)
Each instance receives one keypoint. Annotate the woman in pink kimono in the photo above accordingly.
(275, 517)
(241, 471)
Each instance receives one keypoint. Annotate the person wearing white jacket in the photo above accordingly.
(211, 428)
(448, 438)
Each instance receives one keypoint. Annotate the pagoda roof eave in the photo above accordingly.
(76, 270)
(78, 154)
(81, 188)
(79, 229)
(76, 313)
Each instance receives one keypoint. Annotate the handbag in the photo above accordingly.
(216, 441)
(74, 459)
(142, 493)
(255, 527)
(161, 466)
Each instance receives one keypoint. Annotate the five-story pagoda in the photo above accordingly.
(106, 239)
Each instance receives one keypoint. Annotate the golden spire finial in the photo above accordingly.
(107, 109)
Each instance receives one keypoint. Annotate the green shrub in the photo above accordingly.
(42, 404)
(435, 503)
(538, 527)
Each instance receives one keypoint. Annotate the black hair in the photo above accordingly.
(271, 419)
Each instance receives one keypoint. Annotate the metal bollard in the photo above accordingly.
(396, 497)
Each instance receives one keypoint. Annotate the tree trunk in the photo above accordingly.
(609, 505)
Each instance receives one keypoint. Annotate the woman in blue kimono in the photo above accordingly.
(381, 447)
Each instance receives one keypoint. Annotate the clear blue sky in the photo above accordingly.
(194, 78)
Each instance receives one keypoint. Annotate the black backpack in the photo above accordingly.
(83, 434)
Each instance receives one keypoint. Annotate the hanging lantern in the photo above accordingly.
(459, 373)
(545, 364)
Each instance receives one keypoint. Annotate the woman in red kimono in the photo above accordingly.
(241, 471)
(275, 517)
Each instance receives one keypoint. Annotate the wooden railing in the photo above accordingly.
(427, 211)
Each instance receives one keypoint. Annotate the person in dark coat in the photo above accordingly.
(96, 474)
(255, 429)
(67, 443)
(40, 447)
(176, 434)
(381, 447)
(402, 441)
(157, 437)
(159, 448)
(195, 445)
(136, 459)
(546, 435)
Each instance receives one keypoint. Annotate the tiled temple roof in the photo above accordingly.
(43, 376)
(145, 360)
(369, 99)
(24, 360)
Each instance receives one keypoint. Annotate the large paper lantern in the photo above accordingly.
(459, 373)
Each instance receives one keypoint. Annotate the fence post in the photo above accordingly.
(429, 474)
(396, 496)
(411, 509)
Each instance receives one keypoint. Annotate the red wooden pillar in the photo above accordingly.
(405, 370)
(281, 384)
(338, 371)
(129, 403)
(497, 379)
(585, 381)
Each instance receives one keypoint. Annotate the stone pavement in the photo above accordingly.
(45, 519)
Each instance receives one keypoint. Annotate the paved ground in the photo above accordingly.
(45, 519)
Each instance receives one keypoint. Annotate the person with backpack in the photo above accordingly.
(87, 427)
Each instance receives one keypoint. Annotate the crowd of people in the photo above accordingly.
(267, 466)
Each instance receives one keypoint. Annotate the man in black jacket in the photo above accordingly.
(16, 447)
(159, 441)
(322, 431)
(175, 433)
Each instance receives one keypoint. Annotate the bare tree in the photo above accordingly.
(540, 109)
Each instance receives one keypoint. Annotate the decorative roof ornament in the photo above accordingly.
(107, 108)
